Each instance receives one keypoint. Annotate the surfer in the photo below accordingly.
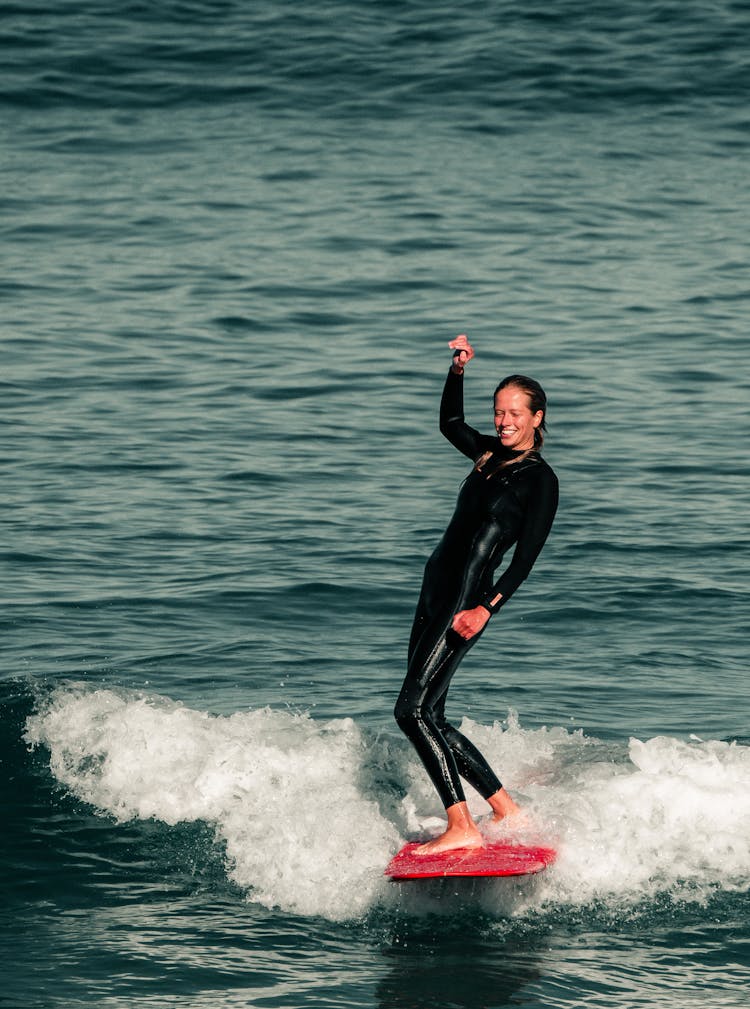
(510, 496)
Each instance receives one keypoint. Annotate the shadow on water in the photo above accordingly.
(462, 963)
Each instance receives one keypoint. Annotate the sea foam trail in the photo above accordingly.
(280, 789)
(290, 799)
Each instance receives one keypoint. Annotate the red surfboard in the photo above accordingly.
(499, 859)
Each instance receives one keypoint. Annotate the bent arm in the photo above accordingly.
(540, 514)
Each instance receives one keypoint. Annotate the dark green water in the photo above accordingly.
(237, 241)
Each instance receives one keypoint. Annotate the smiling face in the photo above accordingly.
(515, 422)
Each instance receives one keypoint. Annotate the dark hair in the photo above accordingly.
(537, 401)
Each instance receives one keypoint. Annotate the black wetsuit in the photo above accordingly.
(498, 505)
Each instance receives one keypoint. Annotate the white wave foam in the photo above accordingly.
(675, 819)
(665, 816)
(287, 796)
(281, 789)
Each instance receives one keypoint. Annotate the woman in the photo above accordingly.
(509, 497)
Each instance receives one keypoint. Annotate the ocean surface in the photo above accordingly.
(236, 239)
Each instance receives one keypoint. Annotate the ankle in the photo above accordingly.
(503, 805)
(459, 818)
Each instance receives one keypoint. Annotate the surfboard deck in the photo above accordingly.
(497, 859)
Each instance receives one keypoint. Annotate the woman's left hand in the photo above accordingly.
(467, 623)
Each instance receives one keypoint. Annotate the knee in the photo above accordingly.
(401, 712)
(406, 714)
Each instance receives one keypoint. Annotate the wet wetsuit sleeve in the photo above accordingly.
(452, 424)
(537, 523)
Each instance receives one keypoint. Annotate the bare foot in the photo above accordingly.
(452, 839)
(462, 832)
(513, 821)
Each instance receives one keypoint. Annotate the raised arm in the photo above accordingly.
(452, 424)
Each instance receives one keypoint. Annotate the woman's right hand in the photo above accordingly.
(462, 353)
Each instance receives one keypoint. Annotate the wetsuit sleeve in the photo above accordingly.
(537, 523)
(452, 424)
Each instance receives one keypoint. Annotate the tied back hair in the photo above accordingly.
(537, 402)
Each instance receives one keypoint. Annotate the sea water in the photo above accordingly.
(237, 239)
